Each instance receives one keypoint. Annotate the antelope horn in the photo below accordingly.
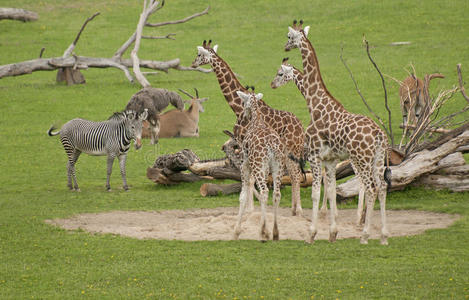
(186, 93)
(196, 93)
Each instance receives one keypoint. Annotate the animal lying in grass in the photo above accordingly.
(155, 101)
(177, 123)
(111, 138)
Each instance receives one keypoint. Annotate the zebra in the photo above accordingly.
(111, 138)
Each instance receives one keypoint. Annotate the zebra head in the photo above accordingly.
(134, 126)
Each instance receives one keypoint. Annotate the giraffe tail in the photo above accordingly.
(387, 170)
(301, 162)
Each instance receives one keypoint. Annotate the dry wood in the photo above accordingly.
(462, 170)
(455, 183)
(413, 127)
(203, 168)
(161, 177)
(211, 189)
(224, 173)
(84, 62)
(416, 165)
(17, 14)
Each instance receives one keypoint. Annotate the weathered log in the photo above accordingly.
(180, 161)
(206, 167)
(413, 167)
(211, 189)
(462, 170)
(70, 76)
(455, 183)
(161, 177)
(17, 14)
(224, 173)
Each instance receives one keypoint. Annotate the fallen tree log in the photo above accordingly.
(416, 165)
(455, 183)
(17, 14)
(211, 189)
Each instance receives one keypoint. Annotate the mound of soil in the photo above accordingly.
(218, 223)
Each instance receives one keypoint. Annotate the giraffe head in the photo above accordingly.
(205, 54)
(250, 100)
(284, 74)
(295, 34)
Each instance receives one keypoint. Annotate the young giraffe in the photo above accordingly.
(263, 151)
(286, 124)
(335, 134)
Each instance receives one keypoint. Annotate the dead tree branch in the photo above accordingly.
(205, 11)
(17, 14)
(357, 88)
(384, 88)
(73, 63)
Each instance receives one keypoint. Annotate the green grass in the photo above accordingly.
(41, 261)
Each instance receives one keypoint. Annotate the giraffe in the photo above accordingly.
(335, 134)
(263, 151)
(286, 124)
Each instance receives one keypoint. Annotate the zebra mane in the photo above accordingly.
(118, 115)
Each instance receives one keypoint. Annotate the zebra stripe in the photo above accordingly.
(111, 138)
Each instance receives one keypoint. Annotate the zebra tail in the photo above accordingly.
(301, 162)
(50, 133)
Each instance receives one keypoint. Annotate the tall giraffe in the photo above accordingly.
(335, 134)
(263, 151)
(286, 124)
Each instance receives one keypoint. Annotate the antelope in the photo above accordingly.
(176, 123)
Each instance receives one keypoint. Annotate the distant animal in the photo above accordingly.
(177, 123)
(111, 138)
(414, 97)
(155, 100)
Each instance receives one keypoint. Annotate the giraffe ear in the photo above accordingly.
(306, 30)
(290, 30)
(259, 96)
(215, 48)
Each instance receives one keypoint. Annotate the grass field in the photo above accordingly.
(41, 261)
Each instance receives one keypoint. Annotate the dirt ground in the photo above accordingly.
(218, 223)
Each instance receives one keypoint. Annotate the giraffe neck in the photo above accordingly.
(315, 96)
(314, 89)
(229, 84)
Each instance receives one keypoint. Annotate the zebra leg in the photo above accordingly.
(110, 161)
(72, 159)
(122, 160)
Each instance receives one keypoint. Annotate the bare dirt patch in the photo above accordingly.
(218, 223)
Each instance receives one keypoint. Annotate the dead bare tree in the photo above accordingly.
(70, 63)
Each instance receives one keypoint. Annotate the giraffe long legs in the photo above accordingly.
(315, 196)
(331, 195)
(245, 175)
(295, 176)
